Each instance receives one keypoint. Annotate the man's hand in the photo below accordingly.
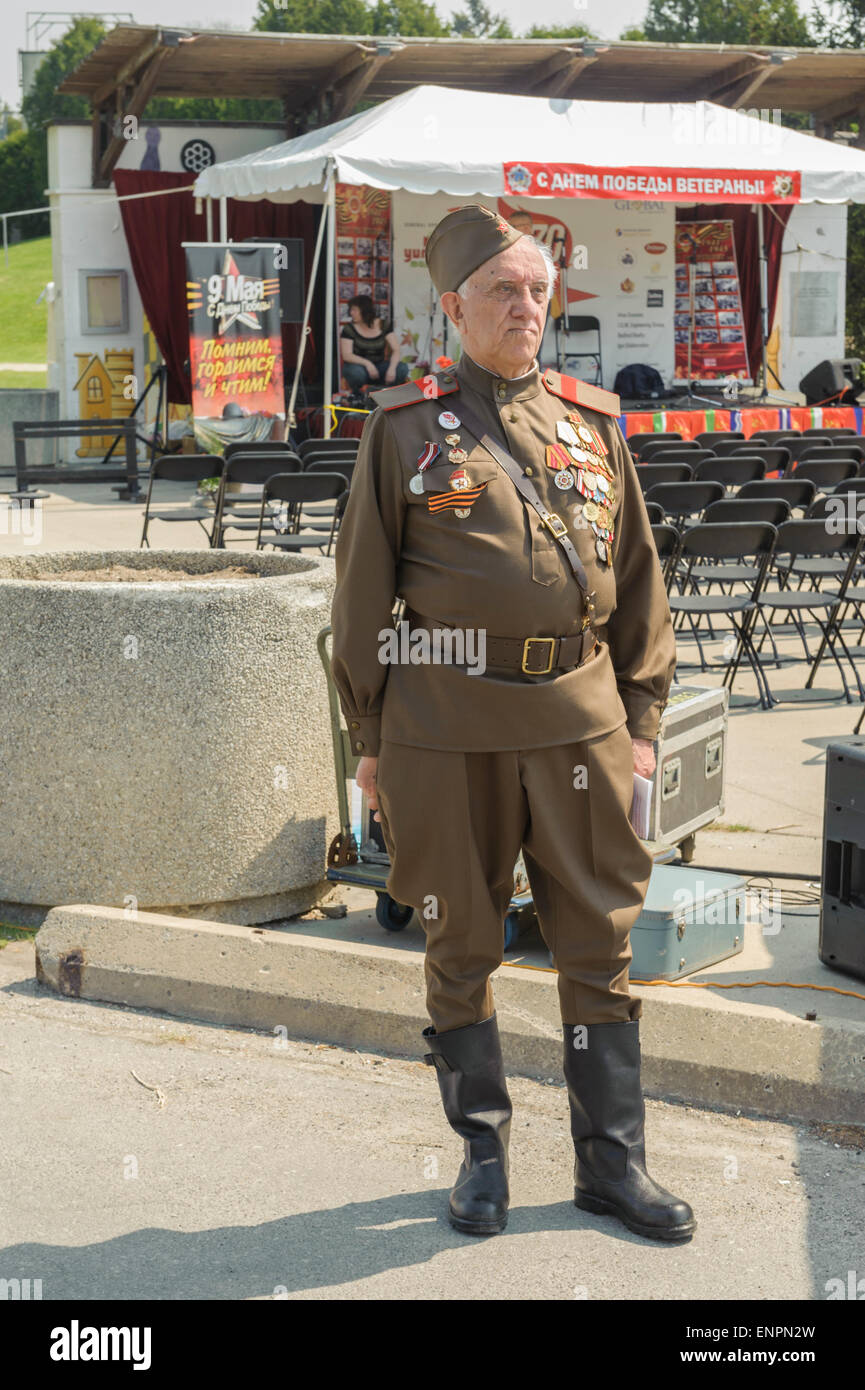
(365, 778)
(644, 756)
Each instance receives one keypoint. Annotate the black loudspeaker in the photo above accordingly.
(291, 286)
(842, 909)
(838, 377)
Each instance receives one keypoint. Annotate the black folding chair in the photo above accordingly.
(710, 439)
(681, 500)
(725, 541)
(728, 510)
(181, 468)
(666, 540)
(743, 446)
(655, 512)
(775, 457)
(799, 493)
(826, 473)
(803, 540)
(239, 512)
(801, 443)
(333, 445)
(847, 450)
(317, 515)
(731, 472)
(649, 451)
(648, 474)
(267, 446)
(775, 436)
(636, 442)
(296, 490)
(680, 453)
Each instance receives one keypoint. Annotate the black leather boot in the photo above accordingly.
(471, 1077)
(607, 1116)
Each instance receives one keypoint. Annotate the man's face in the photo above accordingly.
(501, 318)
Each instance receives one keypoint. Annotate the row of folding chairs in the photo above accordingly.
(744, 544)
(321, 480)
(647, 446)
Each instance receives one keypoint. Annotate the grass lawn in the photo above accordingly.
(26, 381)
(22, 320)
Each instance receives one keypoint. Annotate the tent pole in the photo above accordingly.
(223, 219)
(208, 208)
(329, 305)
(304, 331)
(764, 296)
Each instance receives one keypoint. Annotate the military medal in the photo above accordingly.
(557, 456)
(578, 455)
(428, 454)
(601, 547)
(448, 420)
(457, 456)
(416, 483)
(590, 511)
(564, 479)
(459, 500)
(462, 512)
(566, 432)
(452, 439)
(603, 483)
(459, 480)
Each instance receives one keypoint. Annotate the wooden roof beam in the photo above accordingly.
(841, 106)
(104, 159)
(348, 92)
(554, 75)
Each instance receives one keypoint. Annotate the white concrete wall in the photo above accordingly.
(87, 232)
(821, 231)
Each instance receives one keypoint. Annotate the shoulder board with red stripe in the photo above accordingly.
(424, 388)
(581, 393)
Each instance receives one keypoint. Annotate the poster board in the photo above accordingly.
(706, 258)
(235, 343)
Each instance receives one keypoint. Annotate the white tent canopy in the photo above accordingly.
(469, 144)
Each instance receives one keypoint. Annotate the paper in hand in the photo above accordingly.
(641, 806)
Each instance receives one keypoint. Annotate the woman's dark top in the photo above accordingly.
(369, 348)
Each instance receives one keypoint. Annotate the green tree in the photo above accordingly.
(636, 34)
(407, 17)
(559, 31)
(314, 17)
(727, 21)
(477, 21)
(840, 24)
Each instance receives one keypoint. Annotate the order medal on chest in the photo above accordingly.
(578, 460)
(462, 493)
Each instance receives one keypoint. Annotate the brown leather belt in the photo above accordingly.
(535, 656)
(538, 655)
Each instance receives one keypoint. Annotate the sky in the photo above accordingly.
(606, 17)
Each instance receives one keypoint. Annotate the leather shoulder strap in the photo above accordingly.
(423, 388)
(551, 520)
(581, 393)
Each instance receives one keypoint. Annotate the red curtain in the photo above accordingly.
(155, 230)
(747, 241)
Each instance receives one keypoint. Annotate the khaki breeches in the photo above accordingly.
(454, 824)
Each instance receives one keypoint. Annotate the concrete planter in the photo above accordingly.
(165, 743)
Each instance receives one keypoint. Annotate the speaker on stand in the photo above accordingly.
(836, 379)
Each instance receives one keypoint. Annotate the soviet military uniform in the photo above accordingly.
(510, 508)
(473, 768)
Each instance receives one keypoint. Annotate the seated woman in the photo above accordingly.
(369, 346)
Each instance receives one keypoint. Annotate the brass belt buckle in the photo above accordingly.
(554, 523)
(536, 670)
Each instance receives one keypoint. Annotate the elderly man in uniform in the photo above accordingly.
(500, 502)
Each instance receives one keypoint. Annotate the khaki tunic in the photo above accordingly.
(499, 570)
(474, 769)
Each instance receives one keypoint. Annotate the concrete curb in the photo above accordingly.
(373, 997)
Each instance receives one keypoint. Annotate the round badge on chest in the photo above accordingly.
(448, 420)
(416, 483)
(564, 479)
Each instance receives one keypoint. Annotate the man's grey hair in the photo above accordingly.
(549, 263)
